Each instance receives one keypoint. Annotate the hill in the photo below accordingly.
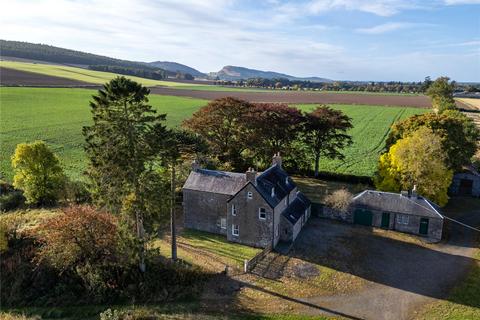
(237, 73)
(43, 52)
(177, 67)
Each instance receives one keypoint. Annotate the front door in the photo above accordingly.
(363, 217)
(386, 220)
(423, 226)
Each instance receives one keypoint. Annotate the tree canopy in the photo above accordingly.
(417, 160)
(441, 93)
(37, 172)
(458, 134)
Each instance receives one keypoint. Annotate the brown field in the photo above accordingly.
(12, 77)
(303, 97)
(468, 103)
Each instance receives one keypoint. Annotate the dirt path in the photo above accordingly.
(402, 277)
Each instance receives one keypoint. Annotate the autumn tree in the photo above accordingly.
(222, 124)
(274, 127)
(441, 93)
(122, 145)
(37, 172)
(324, 133)
(457, 132)
(417, 160)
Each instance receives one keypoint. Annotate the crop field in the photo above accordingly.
(371, 125)
(80, 74)
(469, 103)
(57, 115)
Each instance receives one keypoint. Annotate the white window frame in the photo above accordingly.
(223, 223)
(260, 213)
(403, 219)
(286, 180)
(286, 200)
(234, 210)
(235, 230)
(249, 195)
(273, 192)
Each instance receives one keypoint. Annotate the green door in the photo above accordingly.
(423, 226)
(386, 220)
(363, 217)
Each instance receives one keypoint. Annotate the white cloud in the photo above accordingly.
(384, 28)
(460, 2)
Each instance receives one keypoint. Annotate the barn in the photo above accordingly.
(466, 183)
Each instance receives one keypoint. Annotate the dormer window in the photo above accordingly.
(286, 180)
(286, 201)
(249, 195)
(273, 192)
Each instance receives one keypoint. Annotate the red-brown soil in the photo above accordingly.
(302, 97)
(12, 77)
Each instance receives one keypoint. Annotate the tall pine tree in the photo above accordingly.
(123, 145)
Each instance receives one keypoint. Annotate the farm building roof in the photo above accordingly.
(395, 202)
(222, 182)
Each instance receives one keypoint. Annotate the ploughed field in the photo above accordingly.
(36, 74)
(57, 115)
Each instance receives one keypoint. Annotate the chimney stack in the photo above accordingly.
(414, 191)
(195, 165)
(277, 160)
(251, 175)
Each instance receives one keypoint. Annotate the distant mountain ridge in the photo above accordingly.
(177, 67)
(234, 73)
(48, 53)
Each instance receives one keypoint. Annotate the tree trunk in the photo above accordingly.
(172, 215)
(317, 164)
(141, 237)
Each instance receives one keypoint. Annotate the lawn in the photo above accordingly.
(57, 115)
(211, 251)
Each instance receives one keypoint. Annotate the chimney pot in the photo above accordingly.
(277, 159)
(195, 165)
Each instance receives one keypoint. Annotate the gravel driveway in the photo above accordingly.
(401, 276)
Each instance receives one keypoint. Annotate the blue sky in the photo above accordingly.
(338, 39)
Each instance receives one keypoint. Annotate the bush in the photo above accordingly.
(339, 200)
(12, 200)
(76, 192)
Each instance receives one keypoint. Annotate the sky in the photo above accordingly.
(376, 40)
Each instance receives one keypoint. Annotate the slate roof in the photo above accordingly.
(274, 177)
(395, 202)
(297, 208)
(222, 182)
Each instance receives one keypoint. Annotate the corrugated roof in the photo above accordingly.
(296, 208)
(274, 177)
(222, 182)
(394, 202)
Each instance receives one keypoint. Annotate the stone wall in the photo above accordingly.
(252, 230)
(203, 210)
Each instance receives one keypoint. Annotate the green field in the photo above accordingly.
(80, 74)
(57, 115)
(371, 125)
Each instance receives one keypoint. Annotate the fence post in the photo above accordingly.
(245, 265)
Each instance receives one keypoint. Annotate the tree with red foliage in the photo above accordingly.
(275, 127)
(222, 124)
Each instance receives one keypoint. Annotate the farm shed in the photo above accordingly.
(404, 212)
(466, 183)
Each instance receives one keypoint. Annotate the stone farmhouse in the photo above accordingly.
(405, 212)
(258, 209)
